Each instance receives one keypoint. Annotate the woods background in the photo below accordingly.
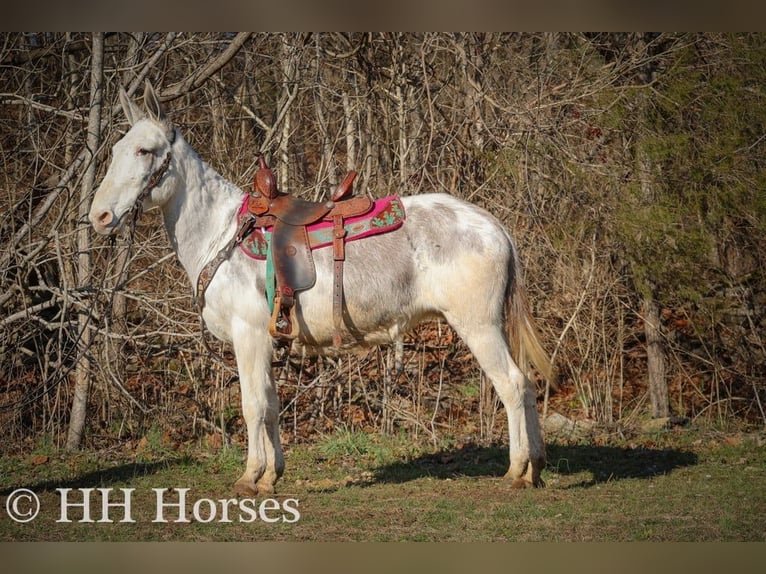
(629, 168)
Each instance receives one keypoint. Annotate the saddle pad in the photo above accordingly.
(386, 215)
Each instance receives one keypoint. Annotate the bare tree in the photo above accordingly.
(83, 371)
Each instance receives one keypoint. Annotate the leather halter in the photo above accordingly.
(154, 181)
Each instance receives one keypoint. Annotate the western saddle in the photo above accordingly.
(290, 250)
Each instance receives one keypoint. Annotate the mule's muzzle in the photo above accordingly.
(104, 222)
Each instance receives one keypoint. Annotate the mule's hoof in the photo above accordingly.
(265, 489)
(521, 483)
(245, 489)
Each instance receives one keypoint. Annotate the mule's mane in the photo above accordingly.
(200, 215)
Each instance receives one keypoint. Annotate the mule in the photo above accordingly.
(449, 259)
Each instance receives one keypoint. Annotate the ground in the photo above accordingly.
(681, 484)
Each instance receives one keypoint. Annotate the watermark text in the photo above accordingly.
(161, 505)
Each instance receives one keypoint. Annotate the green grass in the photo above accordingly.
(682, 486)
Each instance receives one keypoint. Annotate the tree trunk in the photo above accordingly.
(655, 347)
(83, 370)
(655, 360)
(350, 129)
(290, 55)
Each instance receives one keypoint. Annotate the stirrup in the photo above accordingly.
(284, 320)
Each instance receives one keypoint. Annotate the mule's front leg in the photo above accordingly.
(260, 408)
(265, 462)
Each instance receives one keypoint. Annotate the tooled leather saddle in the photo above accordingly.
(290, 250)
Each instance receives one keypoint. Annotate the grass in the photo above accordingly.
(687, 485)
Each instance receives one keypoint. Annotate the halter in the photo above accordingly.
(154, 181)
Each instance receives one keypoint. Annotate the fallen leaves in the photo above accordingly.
(328, 485)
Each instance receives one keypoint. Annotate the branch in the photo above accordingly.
(16, 99)
(243, 105)
(27, 313)
(139, 79)
(52, 50)
(45, 205)
(196, 80)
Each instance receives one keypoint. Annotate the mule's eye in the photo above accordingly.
(142, 151)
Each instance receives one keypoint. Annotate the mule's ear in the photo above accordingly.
(131, 110)
(152, 103)
(156, 111)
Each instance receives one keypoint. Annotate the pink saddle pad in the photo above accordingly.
(386, 215)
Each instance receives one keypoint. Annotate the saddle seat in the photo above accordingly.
(290, 249)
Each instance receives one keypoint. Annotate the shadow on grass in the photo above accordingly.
(602, 463)
(100, 478)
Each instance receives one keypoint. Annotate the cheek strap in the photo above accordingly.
(153, 182)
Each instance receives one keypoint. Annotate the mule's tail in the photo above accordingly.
(523, 336)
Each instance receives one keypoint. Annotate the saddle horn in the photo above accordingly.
(345, 189)
(265, 183)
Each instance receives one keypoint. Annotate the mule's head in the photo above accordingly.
(142, 168)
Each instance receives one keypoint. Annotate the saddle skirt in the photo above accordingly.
(387, 214)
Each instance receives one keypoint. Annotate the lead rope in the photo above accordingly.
(205, 277)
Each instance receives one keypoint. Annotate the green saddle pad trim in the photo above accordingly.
(271, 280)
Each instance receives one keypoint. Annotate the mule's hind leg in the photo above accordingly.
(527, 451)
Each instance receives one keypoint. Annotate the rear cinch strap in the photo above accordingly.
(339, 255)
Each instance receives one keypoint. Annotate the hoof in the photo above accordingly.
(521, 483)
(265, 489)
(526, 475)
(247, 489)
(244, 489)
(525, 481)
